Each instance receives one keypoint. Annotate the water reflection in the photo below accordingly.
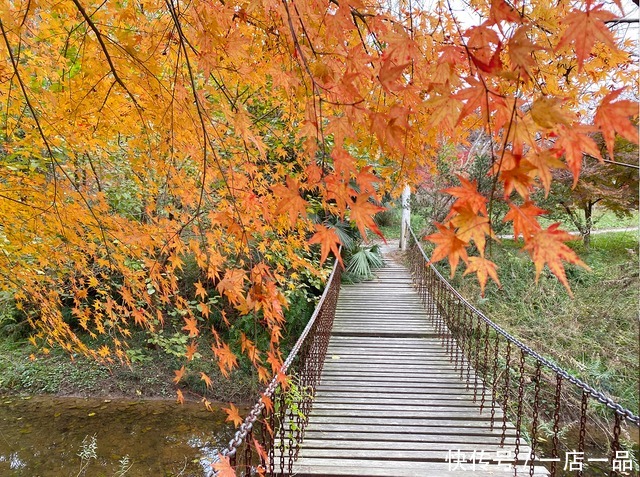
(43, 437)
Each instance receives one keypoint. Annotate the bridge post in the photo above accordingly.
(406, 217)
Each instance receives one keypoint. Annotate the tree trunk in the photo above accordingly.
(588, 224)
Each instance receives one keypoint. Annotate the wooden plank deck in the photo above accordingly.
(390, 403)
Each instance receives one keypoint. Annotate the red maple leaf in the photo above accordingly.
(611, 117)
(584, 28)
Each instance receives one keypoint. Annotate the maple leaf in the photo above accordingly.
(223, 467)
(191, 350)
(542, 162)
(290, 200)
(448, 245)
(548, 247)
(191, 326)
(179, 374)
(521, 50)
(547, 112)
(362, 212)
(366, 180)
(503, 11)
(518, 178)
(524, 219)
(338, 189)
(179, 396)
(467, 193)
(328, 240)
(471, 226)
(233, 415)
(390, 73)
(584, 28)
(483, 268)
(575, 144)
(476, 95)
(200, 290)
(262, 453)
(226, 359)
(614, 116)
(206, 379)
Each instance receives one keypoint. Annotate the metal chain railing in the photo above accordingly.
(267, 442)
(567, 426)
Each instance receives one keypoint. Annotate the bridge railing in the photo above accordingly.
(571, 428)
(268, 441)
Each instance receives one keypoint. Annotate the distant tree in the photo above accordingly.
(609, 186)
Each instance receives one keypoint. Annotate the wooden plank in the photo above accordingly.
(389, 437)
(391, 401)
(375, 468)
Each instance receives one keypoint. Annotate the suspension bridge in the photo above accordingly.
(400, 376)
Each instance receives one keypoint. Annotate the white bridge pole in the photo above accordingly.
(406, 217)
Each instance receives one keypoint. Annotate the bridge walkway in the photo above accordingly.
(391, 403)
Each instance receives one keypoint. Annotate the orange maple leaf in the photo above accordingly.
(290, 200)
(547, 246)
(524, 219)
(328, 240)
(584, 28)
(471, 226)
(448, 245)
(223, 467)
(518, 178)
(502, 11)
(191, 351)
(521, 51)
(611, 117)
(366, 180)
(390, 73)
(483, 268)
(200, 290)
(476, 95)
(226, 359)
(206, 379)
(362, 212)
(179, 396)
(233, 415)
(467, 193)
(262, 453)
(178, 375)
(191, 326)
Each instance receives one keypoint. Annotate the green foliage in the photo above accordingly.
(174, 344)
(13, 322)
(361, 261)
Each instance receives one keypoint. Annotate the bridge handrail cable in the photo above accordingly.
(269, 391)
(599, 396)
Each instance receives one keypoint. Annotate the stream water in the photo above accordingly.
(43, 437)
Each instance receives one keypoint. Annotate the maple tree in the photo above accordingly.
(602, 187)
(143, 138)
